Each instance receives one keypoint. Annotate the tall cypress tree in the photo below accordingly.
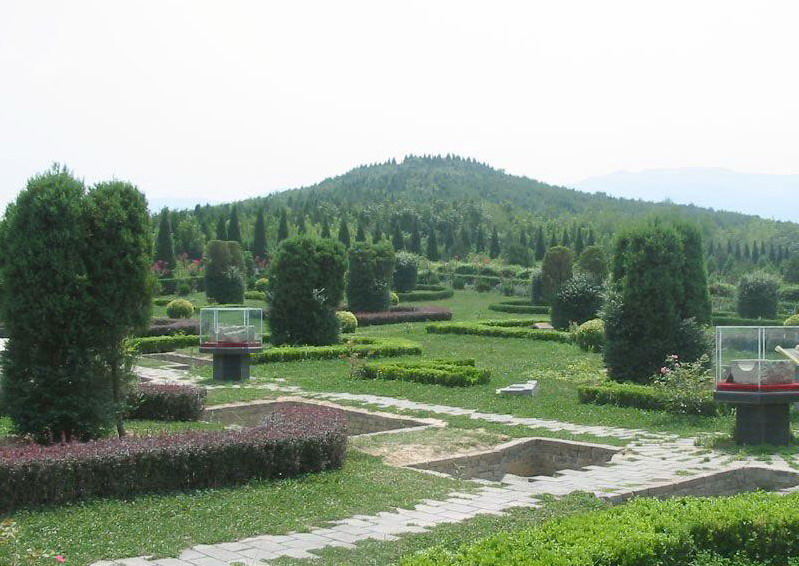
(591, 237)
(431, 252)
(283, 226)
(377, 235)
(164, 245)
(540, 245)
(325, 229)
(301, 227)
(259, 245)
(221, 229)
(494, 248)
(233, 228)
(694, 301)
(344, 233)
(360, 233)
(480, 240)
(579, 245)
(396, 238)
(415, 245)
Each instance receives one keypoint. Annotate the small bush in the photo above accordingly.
(255, 295)
(293, 441)
(458, 283)
(262, 285)
(758, 295)
(394, 299)
(792, 320)
(428, 278)
(537, 288)
(184, 287)
(406, 271)
(576, 301)
(482, 285)
(404, 314)
(162, 402)
(359, 346)
(179, 308)
(451, 373)
(426, 294)
(349, 323)
(156, 344)
(590, 335)
(508, 328)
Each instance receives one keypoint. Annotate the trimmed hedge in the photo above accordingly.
(509, 328)
(640, 397)
(156, 344)
(521, 306)
(293, 441)
(740, 321)
(166, 402)
(429, 294)
(255, 295)
(759, 526)
(789, 293)
(452, 373)
(172, 326)
(371, 347)
(404, 314)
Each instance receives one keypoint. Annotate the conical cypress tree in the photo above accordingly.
(164, 246)
(591, 237)
(431, 252)
(565, 239)
(694, 301)
(344, 233)
(325, 229)
(540, 245)
(755, 252)
(377, 235)
(396, 238)
(493, 247)
(579, 245)
(480, 240)
(360, 234)
(221, 229)
(259, 248)
(523, 238)
(301, 227)
(415, 245)
(283, 226)
(233, 228)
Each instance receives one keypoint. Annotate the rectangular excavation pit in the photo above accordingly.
(526, 457)
(359, 421)
(728, 482)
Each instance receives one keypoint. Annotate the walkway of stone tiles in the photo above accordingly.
(650, 460)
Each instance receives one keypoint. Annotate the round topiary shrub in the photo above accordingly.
(371, 267)
(406, 272)
(394, 299)
(576, 301)
(262, 284)
(758, 295)
(590, 335)
(179, 308)
(792, 320)
(306, 284)
(348, 321)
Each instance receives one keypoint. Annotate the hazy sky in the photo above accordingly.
(226, 99)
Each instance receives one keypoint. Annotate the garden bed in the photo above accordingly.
(404, 313)
(508, 328)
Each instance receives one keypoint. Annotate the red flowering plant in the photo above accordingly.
(687, 387)
(161, 269)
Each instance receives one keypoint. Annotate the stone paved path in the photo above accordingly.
(650, 460)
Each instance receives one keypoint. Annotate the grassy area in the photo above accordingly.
(559, 368)
(199, 300)
(451, 536)
(163, 525)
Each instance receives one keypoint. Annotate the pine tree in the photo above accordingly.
(325, 229)
(493, 247)
(480, 240)
(591, 237)
(164, 245)
(553, 241)
(283, 226)
(755, 252)
(301, 227)
(540, 245)
(565, 240)
(431, 251)
(449, 240)
(360, 234)
(579, 246)
(377, 235)
(233, 228)
(344, 233)
(396, 238)
(415, 245)
(221, 229)
(259, 247)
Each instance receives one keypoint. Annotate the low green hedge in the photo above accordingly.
(155, 344)
(519, 307)
(458, 373)
(431, 293)
(255, 295)
(763, 527)
(166, 402)
(362, 346)
(722, 320)
(509, 328)
(641, 397)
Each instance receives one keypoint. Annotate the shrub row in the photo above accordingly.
(293, 441)
(519, 307)
(166, 402)
(720, 320)
(172, 326)
(369, 347)
(170, 285)
(642, 397)
(255, 295)
(757, 526)
(404, 314)
(426, 294)
(155, 344)
(510, 328)
(458, 373)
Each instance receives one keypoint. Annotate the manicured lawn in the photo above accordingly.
(163, 525)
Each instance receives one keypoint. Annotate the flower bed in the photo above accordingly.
(509, 328)
(166, 402)
(397, 315)
(522, 306)
(362, 346)
(756, 527)
(291, 442)
(441, 372)
(426, 293)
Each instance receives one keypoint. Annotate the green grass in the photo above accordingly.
(163, 525)
(451, 536)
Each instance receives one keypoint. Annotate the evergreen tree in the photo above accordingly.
(377, 235)
(553, 241)
(233, 228)
(591, 237)
(301, 227)
(325, 229)
(344, 233)
(494, 249)
(189, 238)
(415, 245)
(579, 246)
(755, 252)
(360, 234)
(259, 244)
(221, 229)
(540, 245)
(556, 269)
(283, 226)
(565, 240)
(431, 251)
(480, 240)
(164, 245)
(396, 238)
(694, 301)
(523, 238)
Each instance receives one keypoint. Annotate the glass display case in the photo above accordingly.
(757, 358)
(231, 327)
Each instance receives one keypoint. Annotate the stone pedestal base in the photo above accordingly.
(763, 424)
(231, 366)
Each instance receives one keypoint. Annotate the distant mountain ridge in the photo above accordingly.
(721, 189)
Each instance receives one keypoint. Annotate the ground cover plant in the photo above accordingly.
(755, 527)
(404, 313)
(441, 372)
(293, 441)
(508, 328)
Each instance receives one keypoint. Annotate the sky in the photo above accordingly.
(198, 101)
